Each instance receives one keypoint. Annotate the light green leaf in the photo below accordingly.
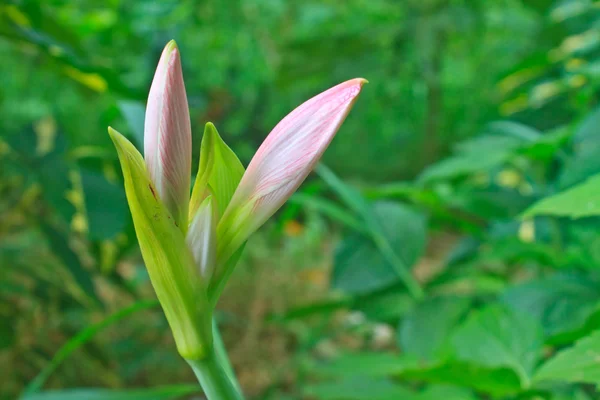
(496, 337)
(219, 172)
(160, 393)
(582, 200)
(170, 264)
(577, 364)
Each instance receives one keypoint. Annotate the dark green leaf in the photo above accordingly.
(562, 303)
(360, 266)
(105, 205)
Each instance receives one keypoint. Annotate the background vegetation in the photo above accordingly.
(446, 248)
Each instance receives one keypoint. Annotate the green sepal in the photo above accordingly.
(219, 172)
(179, 287)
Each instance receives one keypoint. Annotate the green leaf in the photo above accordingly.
(446, 392)
(582, 200)
(159, 393)
(219, 172)
(358, 389)
(561, 303)
(59, 244)
(368, 364)
(476, 155)
(105, 206)
(496, 381)
(496, 337)
(577, 364)
(424, 331)
(361, 267)
(82, 338)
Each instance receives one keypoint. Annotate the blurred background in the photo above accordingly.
(446, 247)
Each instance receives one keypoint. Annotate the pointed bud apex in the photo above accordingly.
(282, 163)
(178, 286)
(168, 137)
(202, 238)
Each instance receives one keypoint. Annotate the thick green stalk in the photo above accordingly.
(213, 378)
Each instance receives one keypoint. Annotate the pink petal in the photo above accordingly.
(168, 136)
(284, 160)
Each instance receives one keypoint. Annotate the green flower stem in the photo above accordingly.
(222, 357)
(213, 378)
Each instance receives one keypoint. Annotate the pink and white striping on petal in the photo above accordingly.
(289, 153)
(168, 137)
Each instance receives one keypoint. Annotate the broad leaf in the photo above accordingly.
(425, 330)
(577, 364)
(358, 389)
(582, 200)
(562, 303)
(361, 267)
(496, 337)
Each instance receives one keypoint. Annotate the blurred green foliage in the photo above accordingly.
(453, 252)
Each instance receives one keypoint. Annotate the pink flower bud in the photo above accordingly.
(168, 137)
(283, 161)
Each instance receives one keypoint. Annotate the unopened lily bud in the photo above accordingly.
(281, 164)
(168, 137)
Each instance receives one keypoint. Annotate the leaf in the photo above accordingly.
(582, 200)
(59, 245)
(220, 171)
(561, 303)
(496, 337)
(475, 155)
(446, 392)
(82, 338)
(159, 393)
(577, 364)
(496, 381)
(105, 206)
(369, 364)
(585, 161)
(134, 113)
(424, 331)
(358, 389)
(359, 265)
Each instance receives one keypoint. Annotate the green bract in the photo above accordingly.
(172, 270)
